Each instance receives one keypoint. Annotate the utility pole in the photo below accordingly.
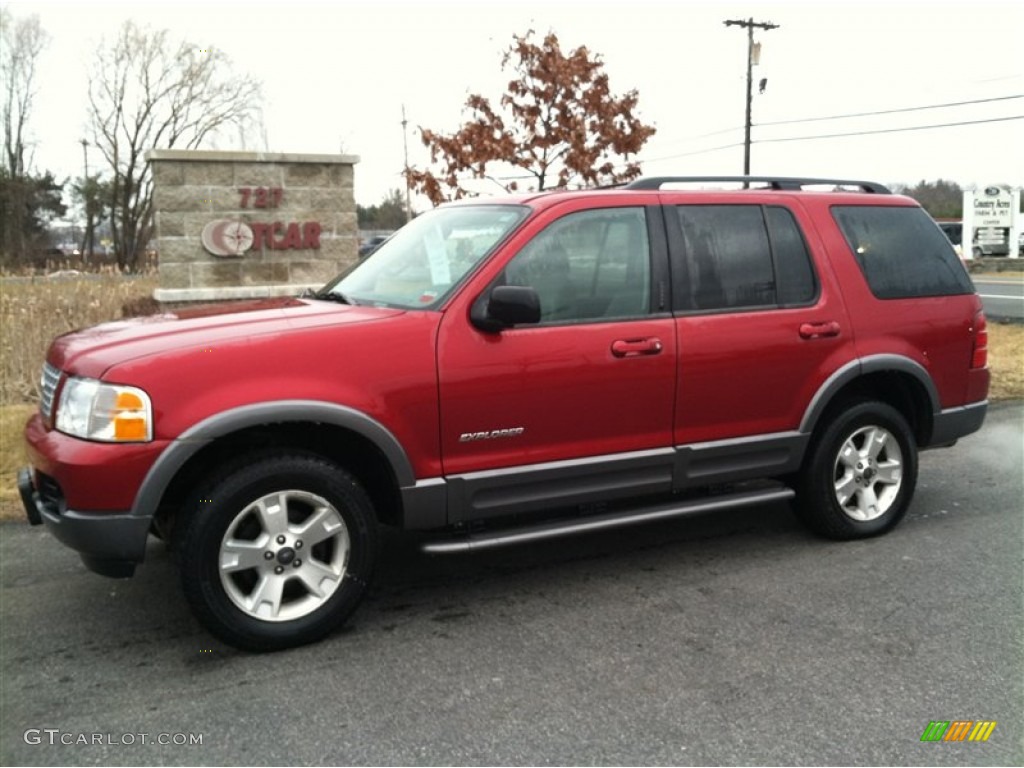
(87, 194)
(749, 24)
(405, 147)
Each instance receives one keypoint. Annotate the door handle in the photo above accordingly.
(636, 347)
(819, 330)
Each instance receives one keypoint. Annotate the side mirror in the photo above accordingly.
(505, 306)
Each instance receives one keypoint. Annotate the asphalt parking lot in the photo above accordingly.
(734, 638)
(1002, 297)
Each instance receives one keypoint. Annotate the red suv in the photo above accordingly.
(501, 371)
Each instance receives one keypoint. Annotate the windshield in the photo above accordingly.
(424, 260)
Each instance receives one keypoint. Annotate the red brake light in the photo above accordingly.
(979, 352)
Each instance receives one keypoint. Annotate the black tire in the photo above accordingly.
(281, 590)
(866, 453)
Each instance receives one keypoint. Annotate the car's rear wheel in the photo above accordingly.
(860, 474)
(278, 552)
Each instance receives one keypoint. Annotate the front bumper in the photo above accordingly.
(83, 491)
(110, 543)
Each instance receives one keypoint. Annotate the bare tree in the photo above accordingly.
(558, 122)
(21, 42)
(146, 92)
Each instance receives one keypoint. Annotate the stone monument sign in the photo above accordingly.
(239, 225)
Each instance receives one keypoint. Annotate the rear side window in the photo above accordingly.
(901, 252)
(741, 257)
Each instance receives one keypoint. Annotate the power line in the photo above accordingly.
(811, 138)
(695, 152)
(890, 130)
(709, 150)
(850, 115)
(893, 111)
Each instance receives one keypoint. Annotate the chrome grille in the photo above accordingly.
(47, 386)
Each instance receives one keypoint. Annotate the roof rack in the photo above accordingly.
(774, 182)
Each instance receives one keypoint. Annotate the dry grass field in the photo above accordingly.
(34, 310)
(1006, 361)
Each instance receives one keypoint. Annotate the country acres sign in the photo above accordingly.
(992, 223)
(993, 207)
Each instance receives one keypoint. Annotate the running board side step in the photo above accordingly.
(604, 522)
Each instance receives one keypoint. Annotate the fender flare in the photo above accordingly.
(198, 436)
(861, 367)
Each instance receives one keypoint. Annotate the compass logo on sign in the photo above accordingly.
(225, 238)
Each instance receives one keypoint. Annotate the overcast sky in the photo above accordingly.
(336, 75)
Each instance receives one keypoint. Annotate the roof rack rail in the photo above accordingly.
(774, 182)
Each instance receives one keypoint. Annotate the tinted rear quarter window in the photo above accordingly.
(796, 282)
(741, 257)
(901, 252)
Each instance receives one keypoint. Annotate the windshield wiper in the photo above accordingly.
(336, 296)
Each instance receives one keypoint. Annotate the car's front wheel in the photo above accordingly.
(860, 474)
(278, 552)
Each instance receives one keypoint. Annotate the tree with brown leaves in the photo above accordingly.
(558, 122)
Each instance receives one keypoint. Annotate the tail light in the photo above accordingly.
(979, 351)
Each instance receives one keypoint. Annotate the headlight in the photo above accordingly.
(109, 412)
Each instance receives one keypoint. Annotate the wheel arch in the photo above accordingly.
(898, 381)
(348, 437)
